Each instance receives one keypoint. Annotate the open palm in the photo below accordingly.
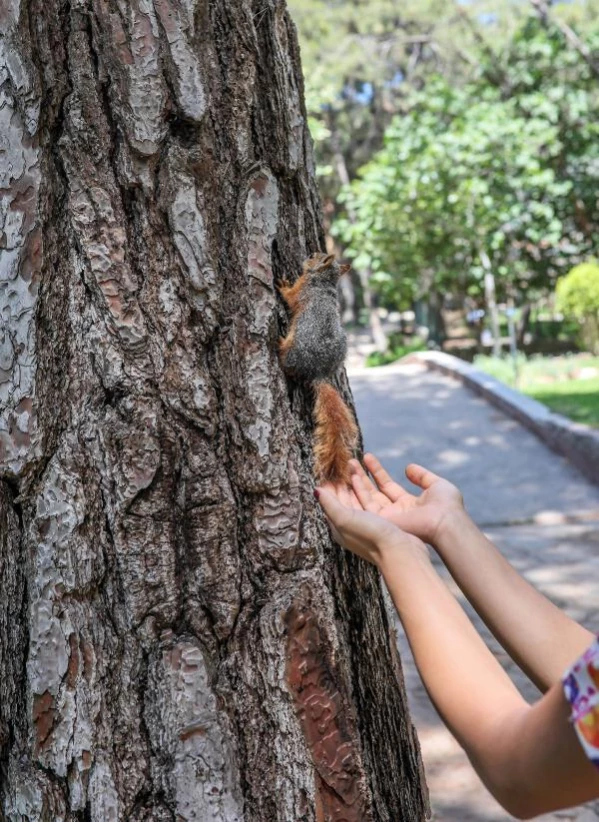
(420, 515)
(363, 532)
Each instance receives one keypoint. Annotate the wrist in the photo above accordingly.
(451, 527)
(401, 551)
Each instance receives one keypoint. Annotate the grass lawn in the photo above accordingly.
(568, 385)
(578, 399)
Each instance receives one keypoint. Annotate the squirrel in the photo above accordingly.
(314, 350)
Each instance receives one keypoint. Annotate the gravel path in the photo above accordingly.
(539, 510)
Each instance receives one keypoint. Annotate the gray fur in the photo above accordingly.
(320, 345)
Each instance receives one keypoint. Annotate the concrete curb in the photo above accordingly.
(577, 442)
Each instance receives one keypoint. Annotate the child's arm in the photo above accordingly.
(529, 758)
(535, 633)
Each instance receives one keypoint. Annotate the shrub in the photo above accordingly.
(395, 351)
(578, 297)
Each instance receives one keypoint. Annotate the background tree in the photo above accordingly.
(178, 638)
(578, 297)
(499, 174)
(361, 59)
(364, 61)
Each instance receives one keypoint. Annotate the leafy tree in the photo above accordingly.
(361, 59)
(578, 296)
(498, 175)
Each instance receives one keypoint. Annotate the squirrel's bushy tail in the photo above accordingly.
(335, 435)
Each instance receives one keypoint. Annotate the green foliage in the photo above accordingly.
(568, 385)
(498, 174)
(353, 55)
(578, 400)
(396, 350)
(578, 292)
(578, 296)
(502, 368)
(565, 330)
(362, 58)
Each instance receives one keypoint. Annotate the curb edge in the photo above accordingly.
(577, 442)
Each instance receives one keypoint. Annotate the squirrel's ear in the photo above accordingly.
(328, 261)
(343, 269)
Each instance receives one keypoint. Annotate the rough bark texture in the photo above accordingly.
(178, 638)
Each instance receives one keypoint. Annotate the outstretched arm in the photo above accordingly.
(529, 757)
(538, 636)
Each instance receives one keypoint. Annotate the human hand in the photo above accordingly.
(423, 515)
(369, 536)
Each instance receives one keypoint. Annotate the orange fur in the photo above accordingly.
(335, 437)
(286, 343)
(336, 432)
(292, 294)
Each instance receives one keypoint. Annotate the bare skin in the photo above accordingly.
(528, 756)
(502, 598)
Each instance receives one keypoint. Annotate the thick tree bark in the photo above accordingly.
(178, 637)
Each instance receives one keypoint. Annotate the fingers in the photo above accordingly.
(420, 476)
(384, 481)
(356, 468)
(354, 501)
(365, 493)
(347, 497)
(345, 494)
(336, 512)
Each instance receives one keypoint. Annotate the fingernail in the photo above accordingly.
(316, 493)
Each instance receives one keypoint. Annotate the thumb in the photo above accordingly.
(420, 476)
(335, 511)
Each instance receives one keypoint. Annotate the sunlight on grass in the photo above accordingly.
(568, 385)
(577, 399)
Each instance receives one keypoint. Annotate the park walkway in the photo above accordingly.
(539, 510)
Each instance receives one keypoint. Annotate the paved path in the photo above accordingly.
(539, 510)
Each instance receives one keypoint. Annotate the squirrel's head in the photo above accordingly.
(324, 268)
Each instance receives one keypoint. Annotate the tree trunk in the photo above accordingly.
(348, 300)
(523, 324)
(377, 331)
(491, 300)
(178, 637)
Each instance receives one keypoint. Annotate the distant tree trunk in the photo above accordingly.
(377, 331)
(491, 301)
(438, 331)
(523, 324)
(348, 299)
(178, 637)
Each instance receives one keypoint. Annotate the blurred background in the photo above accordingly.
(458, 160)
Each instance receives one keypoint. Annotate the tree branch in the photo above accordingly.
(581, 47)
